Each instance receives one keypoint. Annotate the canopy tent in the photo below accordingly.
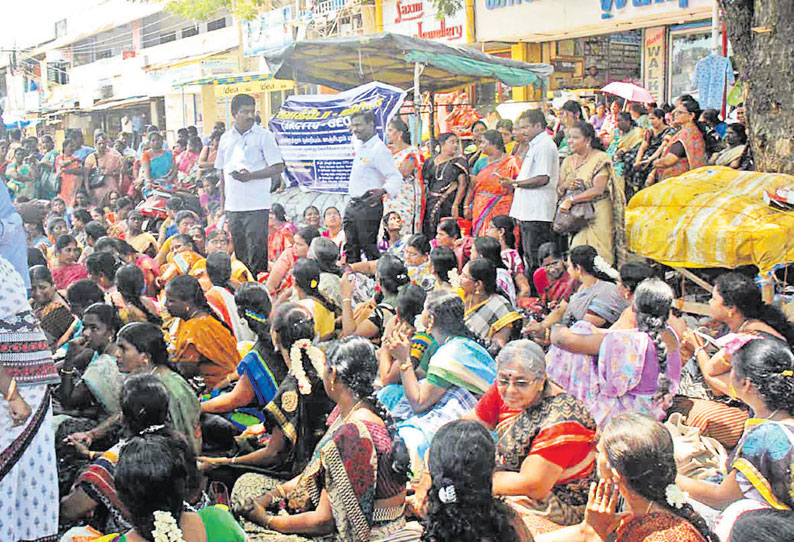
(345, 63)
(712, 217)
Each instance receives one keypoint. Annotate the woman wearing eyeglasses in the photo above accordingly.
(545, 452)
(687, 148)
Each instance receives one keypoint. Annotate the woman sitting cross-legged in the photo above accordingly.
(459, 371)
(460, 506)
(294, 416)
(622, 370)
(545, 452)
(353, 489)
(636, 463)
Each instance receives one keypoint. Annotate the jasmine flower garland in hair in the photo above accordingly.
(166, 528)
(602, 265)
(675, 496)
(316, 357)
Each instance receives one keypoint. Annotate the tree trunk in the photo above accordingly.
(763, 58)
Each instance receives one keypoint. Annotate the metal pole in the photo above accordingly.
(417, 135)
(432, 120)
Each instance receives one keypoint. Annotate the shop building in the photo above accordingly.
(655, 43)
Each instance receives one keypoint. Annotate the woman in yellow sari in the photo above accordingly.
(181, 258)
(218, 241)
(588, 176)
(491, 194)
(201, 344)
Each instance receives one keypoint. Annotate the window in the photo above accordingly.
(217, 24)
(167, 37)
(190, 31)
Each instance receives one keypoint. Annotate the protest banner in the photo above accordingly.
(313, 133)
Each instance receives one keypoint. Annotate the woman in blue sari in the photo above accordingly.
(459, 372)
(157, 163)
(261, 370)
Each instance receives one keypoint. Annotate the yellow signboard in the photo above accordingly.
(253, 87)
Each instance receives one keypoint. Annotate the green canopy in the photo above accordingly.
(347, 62)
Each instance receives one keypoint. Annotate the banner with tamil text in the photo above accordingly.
(313, 133)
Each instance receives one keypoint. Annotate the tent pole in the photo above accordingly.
(417, 135)
(432, 120)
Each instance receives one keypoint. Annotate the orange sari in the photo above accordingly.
(204, 340)
(695, 147)
(490, 197)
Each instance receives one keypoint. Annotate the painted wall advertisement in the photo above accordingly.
(417, 18)
(654, 61)
(313, 133)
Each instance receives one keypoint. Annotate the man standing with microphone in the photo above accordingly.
(248, 158)
(373, 175)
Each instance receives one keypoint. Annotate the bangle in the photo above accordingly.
(698, 350)
(12, 389)
(405, 366)
(70, 372)
(347, 300)
(548, 334)
(233, 460)
(280, 491)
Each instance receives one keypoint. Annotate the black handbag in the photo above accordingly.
(576, 218)
(96, 179)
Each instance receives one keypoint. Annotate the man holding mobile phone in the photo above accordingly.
(373, 175)
(248, 158)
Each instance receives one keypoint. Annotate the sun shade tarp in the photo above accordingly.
(345, 63)
(712, 217)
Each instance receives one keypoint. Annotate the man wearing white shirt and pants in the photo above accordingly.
(535, 197)
(373, 175)
(248, 158)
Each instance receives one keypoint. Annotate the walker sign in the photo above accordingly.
(313, 133)
(418, 19)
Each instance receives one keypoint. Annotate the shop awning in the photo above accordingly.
(232, 79)
(115, 104)
(344, 63)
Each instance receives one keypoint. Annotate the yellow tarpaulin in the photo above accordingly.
(712, 217)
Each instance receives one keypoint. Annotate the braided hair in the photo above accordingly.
(307, 277)
(130, 282)
(652, 301)
(291, 323)
(356, 367)
(641, 450)
(768, 364)
(254, 306)
(740, 291)
(462, 456)
(444, 261)
(219, 269)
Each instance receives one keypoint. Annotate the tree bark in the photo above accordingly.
(763, 58)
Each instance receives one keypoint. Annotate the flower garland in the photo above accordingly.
(675, 496)
(166, 528)
(454, 278)
(316, 357)
(601, 265)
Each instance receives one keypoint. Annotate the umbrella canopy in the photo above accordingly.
(630, 92)
(345, 63)
(712, 217)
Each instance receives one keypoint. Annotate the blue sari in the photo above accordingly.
(161, 165)
(461, 366)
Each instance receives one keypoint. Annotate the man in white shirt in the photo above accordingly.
(248, 158)
(373, 175)
(535, 197)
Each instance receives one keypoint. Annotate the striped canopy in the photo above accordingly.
(712, 217)
(344, 63)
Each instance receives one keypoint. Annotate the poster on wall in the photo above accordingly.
(418, 19)
(653, 61)
(267, 31)
(313, 133)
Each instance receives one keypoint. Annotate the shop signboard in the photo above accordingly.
(654, 61)
(419, 19)
(267, 31)
(548, 20)
(253, 87)
(313, 133)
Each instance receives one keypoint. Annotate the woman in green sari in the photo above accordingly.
(353, 489)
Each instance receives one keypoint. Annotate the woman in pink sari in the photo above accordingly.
(65, 269)
(188, 159)
(491, 194)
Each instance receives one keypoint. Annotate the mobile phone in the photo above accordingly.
(708, 338)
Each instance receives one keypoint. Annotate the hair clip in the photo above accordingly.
(313, 283)
(447, 494)
(787, 373)
(255, 316)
